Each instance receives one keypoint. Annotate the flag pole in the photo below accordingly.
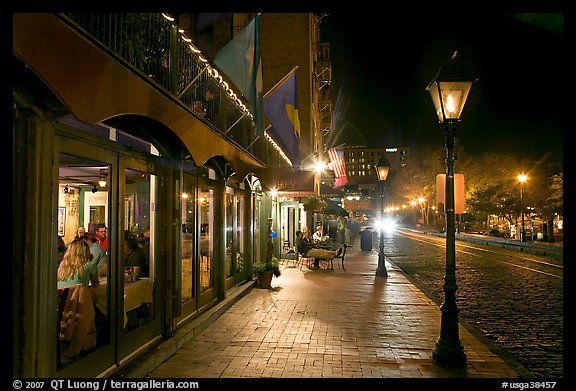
(234, 124)
(281, 81)
(192, 82)
(257, 137)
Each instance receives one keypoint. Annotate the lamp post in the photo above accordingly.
(382, 170)
(522, 178)
(449, 91)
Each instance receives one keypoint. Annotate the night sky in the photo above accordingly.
(382, 63)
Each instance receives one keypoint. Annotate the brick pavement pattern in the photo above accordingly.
(330, 324)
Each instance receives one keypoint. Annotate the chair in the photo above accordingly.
(303, 258)
(62, 297)
(291, 256)
(341, 256)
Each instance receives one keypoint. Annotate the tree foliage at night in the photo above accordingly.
(491, 184)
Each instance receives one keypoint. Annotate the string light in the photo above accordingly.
(278, 149)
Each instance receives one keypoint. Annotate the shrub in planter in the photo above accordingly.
(265, 271)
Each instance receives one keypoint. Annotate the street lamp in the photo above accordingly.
(522, 178)
(449, 91)
(382, 170)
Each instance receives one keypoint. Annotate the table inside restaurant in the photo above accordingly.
(135, 294)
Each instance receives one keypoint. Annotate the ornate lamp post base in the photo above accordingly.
(449, 354)
(381, 270)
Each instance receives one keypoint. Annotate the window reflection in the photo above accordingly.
(188, 206)
(239, 243)
(206, 210)
(228, 261)
(138, 262)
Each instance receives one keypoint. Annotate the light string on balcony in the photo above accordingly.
(277, 147)
(211, 70)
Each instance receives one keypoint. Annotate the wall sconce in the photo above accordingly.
(94, 189)
(66, 189)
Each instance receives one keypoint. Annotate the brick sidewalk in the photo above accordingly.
(331, 324)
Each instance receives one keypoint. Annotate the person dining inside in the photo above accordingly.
(77, 275)
(101, 235)
(135, 263)
(76, 266)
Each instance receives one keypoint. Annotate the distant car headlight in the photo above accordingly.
(387, 224)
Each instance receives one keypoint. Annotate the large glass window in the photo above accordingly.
(82, 258)
(229, 238)
(188, 209)
(234, 260)
(138, 265)
(206, 215)
(238, 238)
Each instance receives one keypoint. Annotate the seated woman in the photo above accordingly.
(319, 235)
(75, 273)
(76, 266)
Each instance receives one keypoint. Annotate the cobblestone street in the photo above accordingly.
(517, 306)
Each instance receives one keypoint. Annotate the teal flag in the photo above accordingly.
(240, 61)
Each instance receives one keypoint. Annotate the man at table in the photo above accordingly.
(102, 236)
(310, 250)
(99, 257)
(135, 264)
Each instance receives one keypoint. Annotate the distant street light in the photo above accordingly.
(522, 178)
(382, 170)
(449, 91)
(319, 167)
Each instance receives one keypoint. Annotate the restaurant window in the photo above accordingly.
(256, 200)
(234, 261)
(238, 239)
(82, 211)
(188, 209)
(138, 262)
(206, 215)
(228, 233)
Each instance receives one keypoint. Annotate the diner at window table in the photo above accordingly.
(77, 276)
(76, 266)
(135, 263)
(317, 250)
(99, 256)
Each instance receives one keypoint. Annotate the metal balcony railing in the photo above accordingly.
(153, 45)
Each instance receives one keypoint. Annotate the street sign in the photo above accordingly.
(458, 193)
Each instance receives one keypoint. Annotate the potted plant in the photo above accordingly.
(265, 271)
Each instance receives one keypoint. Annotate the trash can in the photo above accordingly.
(366, 240)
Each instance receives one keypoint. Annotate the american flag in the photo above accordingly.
(336, 156)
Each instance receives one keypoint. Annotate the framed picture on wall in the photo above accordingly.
(61, 221)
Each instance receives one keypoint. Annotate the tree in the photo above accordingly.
(491, 185)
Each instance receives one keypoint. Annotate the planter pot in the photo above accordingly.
(265, 280)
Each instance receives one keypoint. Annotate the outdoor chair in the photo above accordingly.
(340, 257)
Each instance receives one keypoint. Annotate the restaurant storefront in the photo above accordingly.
(96, 147)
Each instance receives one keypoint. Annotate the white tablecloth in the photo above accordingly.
(135, 294)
